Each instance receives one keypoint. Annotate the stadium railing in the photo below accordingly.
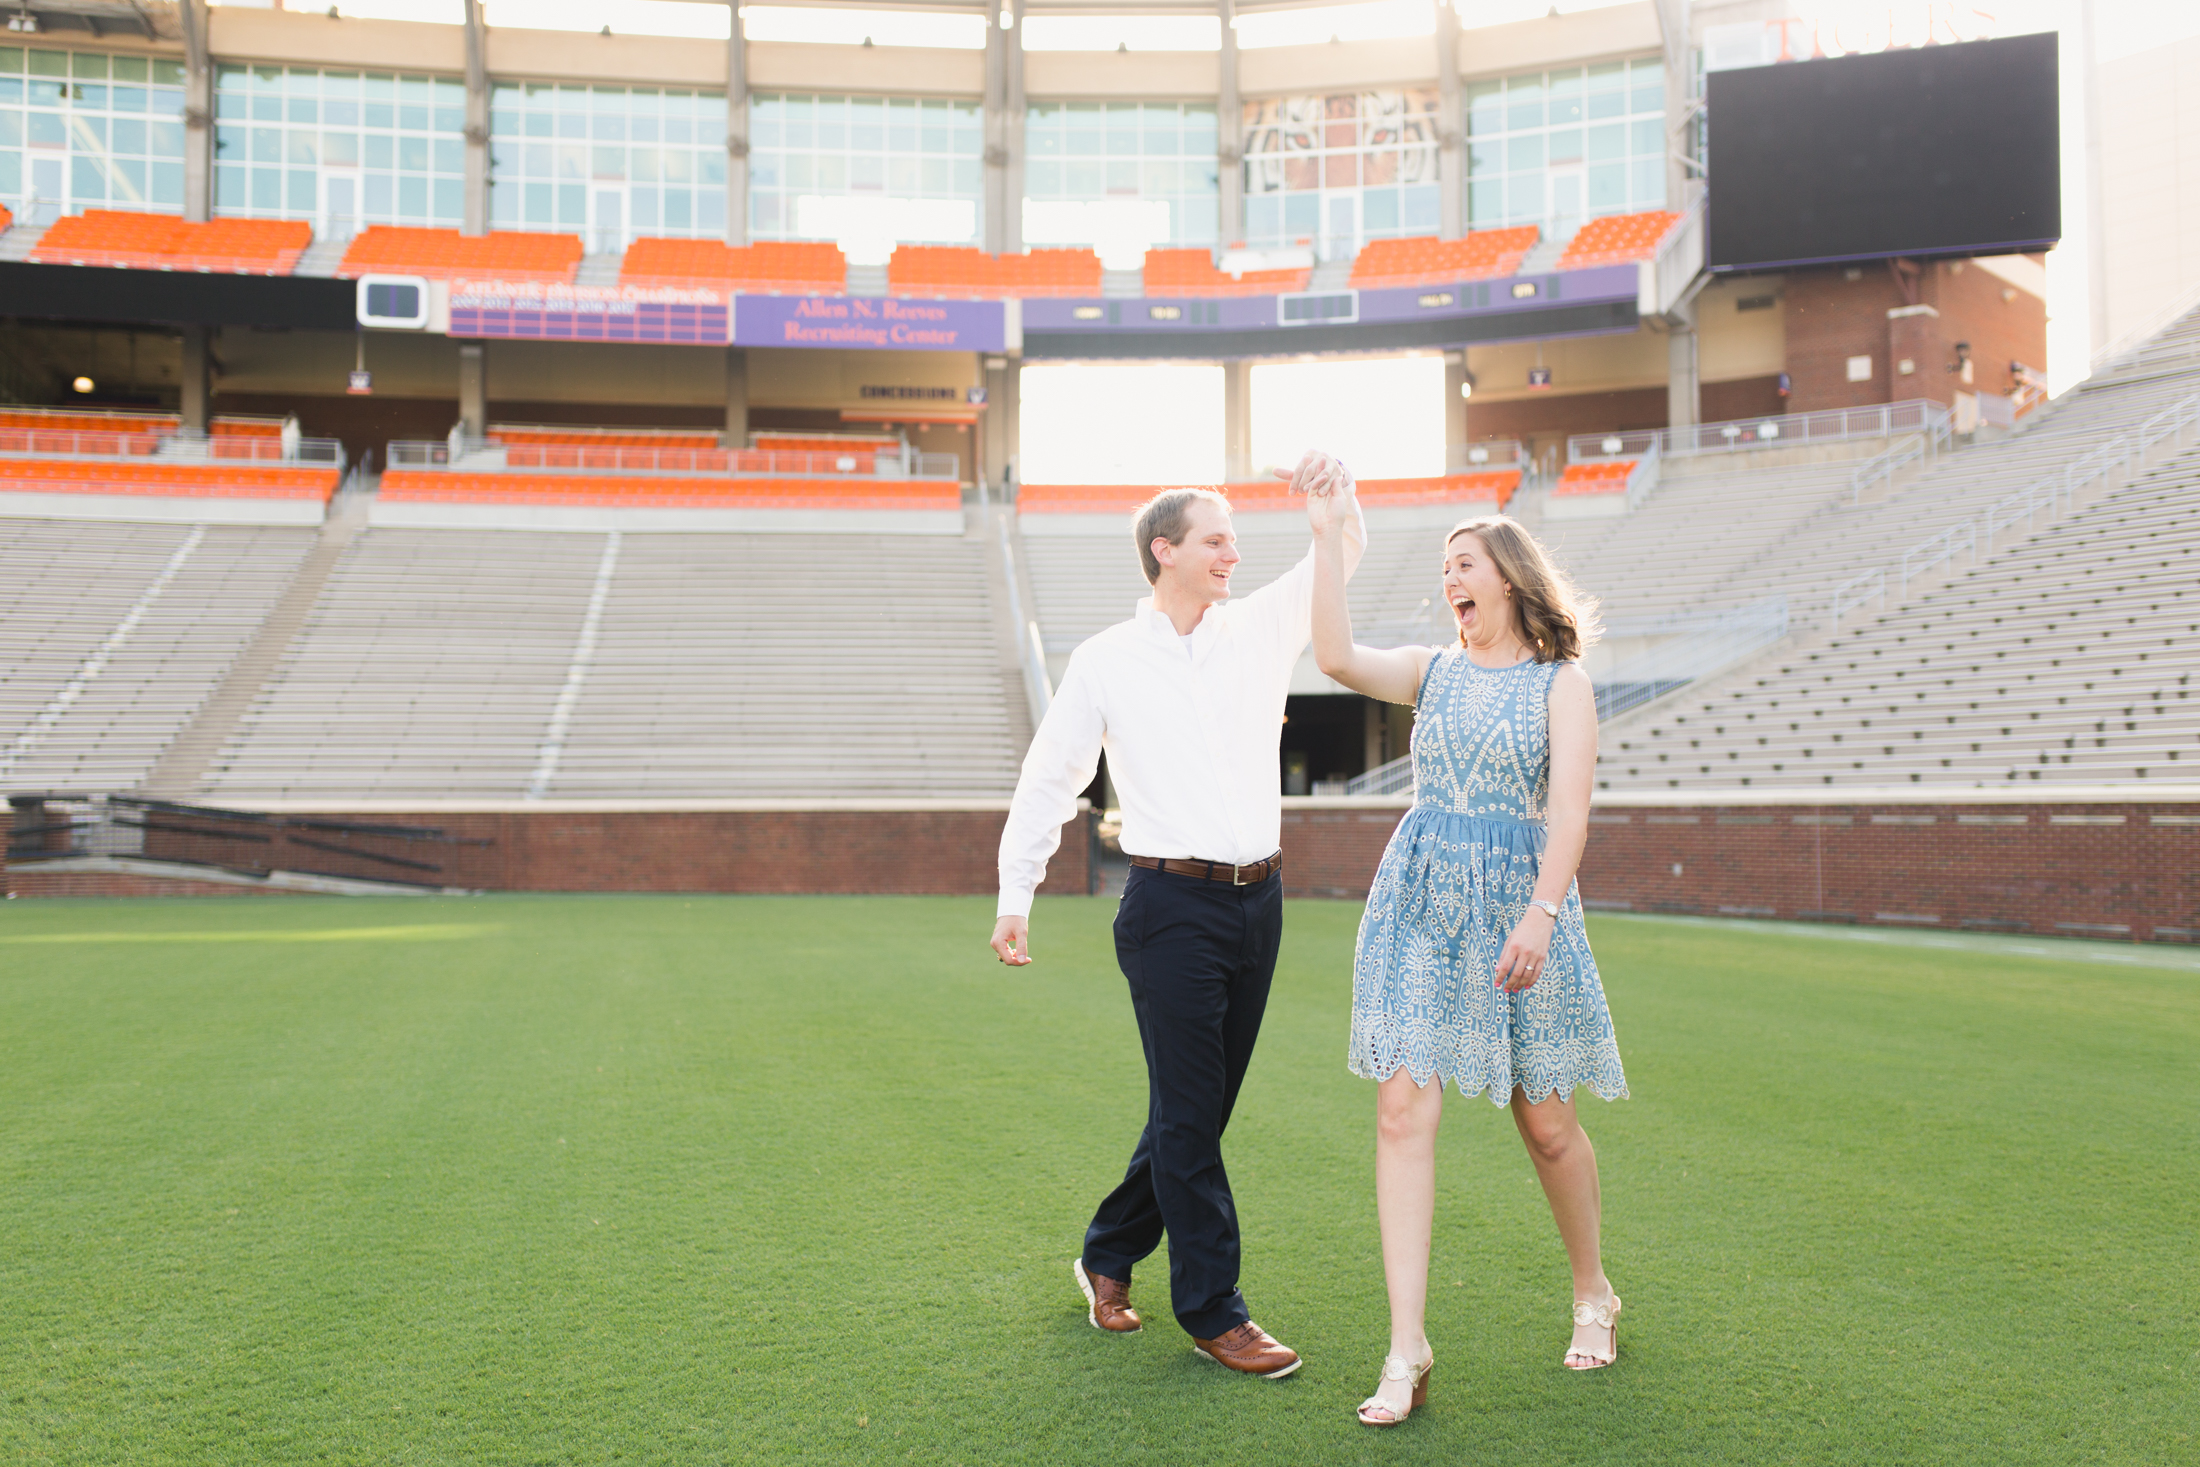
(167, 478)
(1784, 430)
(491, 456)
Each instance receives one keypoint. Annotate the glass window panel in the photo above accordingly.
(710, 167)
(450, 200)
(643, 161)
(89, 63)
(1648, 97)
(46, 130)
(1424, 208)
(129, 99)
(267, 189)
(231, 187)
(166, 189)
(679, 209)
(1607, 142)
(1524, 197)
(1649, 183)
(302, 190)
(412, 155)
(679, 130)
(450, 155)
(539, 204)
(1607, 188)
(380, 150)
(49, 63)
(1565, 145)
(1379, 213)
(380, 192)
(128, 68)
(1565, 97)
(340, 112)
(1524, 152)
(412, 197)
(1649, 136)
(302, 148)
(267, 144)
(129, 135)
(164, 139)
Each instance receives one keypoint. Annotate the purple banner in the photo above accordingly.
(640, 321)
(869, 323)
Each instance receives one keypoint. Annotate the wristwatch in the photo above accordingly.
(1550, 909)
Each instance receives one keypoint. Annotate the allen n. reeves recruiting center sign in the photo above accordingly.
(884, 323)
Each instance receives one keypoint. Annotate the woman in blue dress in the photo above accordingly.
(1472, 963)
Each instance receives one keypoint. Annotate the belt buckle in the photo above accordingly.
(1235, 879)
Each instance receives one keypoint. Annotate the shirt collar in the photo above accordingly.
(1159, 624)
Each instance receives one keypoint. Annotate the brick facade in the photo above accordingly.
(928, 850)
(2108, 869)
(2123, 869)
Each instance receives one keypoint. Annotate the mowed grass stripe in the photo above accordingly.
(797, 1180)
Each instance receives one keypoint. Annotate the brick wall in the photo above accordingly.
(932, 850)
(1830, 318)
(2124, 869)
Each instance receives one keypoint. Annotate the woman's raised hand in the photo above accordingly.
(1526, 951)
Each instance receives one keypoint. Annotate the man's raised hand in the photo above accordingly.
(1325, 483)
(1012, 940)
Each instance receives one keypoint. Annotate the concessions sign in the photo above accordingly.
(867, 323)
(542, 311)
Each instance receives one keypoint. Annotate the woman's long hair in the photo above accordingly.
(1557, 620)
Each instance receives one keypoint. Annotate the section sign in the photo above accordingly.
(531, 310)
(869, 323)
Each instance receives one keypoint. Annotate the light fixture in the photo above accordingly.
(84, 384)
(1612, 445)
(23, 21)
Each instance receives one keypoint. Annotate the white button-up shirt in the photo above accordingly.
(1192, 741)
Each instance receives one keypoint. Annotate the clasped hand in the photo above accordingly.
(1525, 952)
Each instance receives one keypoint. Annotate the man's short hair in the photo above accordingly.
(1167, 516)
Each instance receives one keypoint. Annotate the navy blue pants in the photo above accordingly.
(1199, 956)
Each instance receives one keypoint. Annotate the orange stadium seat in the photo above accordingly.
(65, 420)
(243, 427)
(427, 486)
(1273, 494)
(187, 481)
(1607, 477)
(605, 437)
(1193, 273)
(782, 267)
(1484, 254)
(797, 443)
(956, 270)
(165, 242)
(445, 253)
(1616, 239)
(7, 218)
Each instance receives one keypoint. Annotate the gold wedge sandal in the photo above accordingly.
(1375, 1411)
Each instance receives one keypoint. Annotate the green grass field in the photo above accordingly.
(586, 1180)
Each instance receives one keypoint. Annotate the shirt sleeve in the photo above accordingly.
(1060, 763)
(1282, 612)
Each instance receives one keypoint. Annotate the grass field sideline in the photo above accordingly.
(698, 1180)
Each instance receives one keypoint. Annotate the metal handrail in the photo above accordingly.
(1870, 586)
(1939, 550)
(1781, 430)
(1031, 654)
(169, 444)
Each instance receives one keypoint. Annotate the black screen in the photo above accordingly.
(1939, 150)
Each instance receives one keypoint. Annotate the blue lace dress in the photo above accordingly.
(1452, 885)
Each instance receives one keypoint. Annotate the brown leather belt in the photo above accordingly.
(1212, 870)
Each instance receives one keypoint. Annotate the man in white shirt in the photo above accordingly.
(1187, 700)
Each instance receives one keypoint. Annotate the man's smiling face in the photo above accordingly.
(1200, 564)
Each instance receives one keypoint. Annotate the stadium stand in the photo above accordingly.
(113, 635)
(1617, 239)
(668, 491)
(2073, 655)
(434, 663)
(78, 420)
(154, 477)
(768, 267)
(958, 271)
(1482, 254)
(165, 242)
(1192, 273)
(445, 253)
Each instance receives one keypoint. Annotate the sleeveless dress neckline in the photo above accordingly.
(1454, 881)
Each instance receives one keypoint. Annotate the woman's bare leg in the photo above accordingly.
(1567, 1165)
(1406, 1117)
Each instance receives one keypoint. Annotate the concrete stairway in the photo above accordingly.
(183, 765)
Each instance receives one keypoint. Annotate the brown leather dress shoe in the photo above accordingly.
(1109, 1301)
(1252, 1351)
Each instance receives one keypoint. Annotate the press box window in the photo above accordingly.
(393, 302)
